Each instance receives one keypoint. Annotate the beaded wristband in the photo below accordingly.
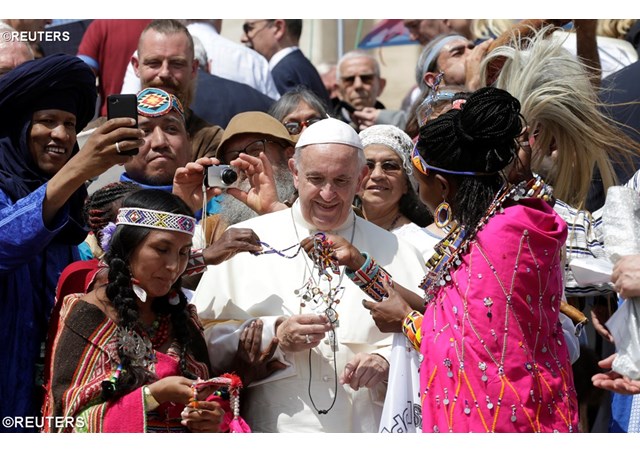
(370, 278)
(412, 328)
(196, 264)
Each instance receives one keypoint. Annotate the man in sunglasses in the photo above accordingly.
(277, 40)
(359, 86)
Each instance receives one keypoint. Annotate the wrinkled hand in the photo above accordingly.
(205, 419)
(295, 330)
(252, 363)
(365, 118)
(99, 153)
(472, 65)
(613, 381)
(390, 312)
(263, 195)
(365, 370)
(232, 242)
(175, 389)
(187, 182)
(626, 276)
(346, 254)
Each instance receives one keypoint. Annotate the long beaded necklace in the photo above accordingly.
(323, 259)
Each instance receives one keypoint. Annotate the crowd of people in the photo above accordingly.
(283, 255)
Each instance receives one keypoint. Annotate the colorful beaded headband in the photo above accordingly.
(154, 102)
(156, 219)
(423, 167)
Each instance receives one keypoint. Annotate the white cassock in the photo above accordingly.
(247, 287)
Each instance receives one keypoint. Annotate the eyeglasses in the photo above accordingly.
(387, 166)
(295, 127)
(252, 149)
(366, 79)
(248, 27)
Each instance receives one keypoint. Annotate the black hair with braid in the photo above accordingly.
(480, 137)
(119, 290)
(99, 210)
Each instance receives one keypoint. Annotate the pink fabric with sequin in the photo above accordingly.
(493, 348)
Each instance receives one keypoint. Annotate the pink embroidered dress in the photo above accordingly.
(493, 353)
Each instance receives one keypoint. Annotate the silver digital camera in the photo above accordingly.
(222, 176)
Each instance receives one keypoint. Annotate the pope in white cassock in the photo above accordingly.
(335, 378)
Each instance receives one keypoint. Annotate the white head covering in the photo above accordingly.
(391, 137)
(329, 130)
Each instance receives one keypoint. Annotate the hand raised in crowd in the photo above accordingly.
(301, 332)
(187, 182)
(390, 312)
(365, 118)
(365, 370)
(252, 363)
(626, 276)
(346, 254)
(174, 389)
(599, 316)
(104, 147)
(205, 419)
(472, 66)
(232, 242)
(262, 197)
(613, 381)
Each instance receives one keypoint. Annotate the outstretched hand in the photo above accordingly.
(343, 251)
(232, 242)
(613, 381)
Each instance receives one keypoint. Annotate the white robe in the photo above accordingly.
(247, 287)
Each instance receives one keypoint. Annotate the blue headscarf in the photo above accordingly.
(60, 82)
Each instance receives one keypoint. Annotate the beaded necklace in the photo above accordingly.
(447, 252)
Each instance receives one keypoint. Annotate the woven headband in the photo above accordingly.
(154, 102)
(423, 167)
(159, 220)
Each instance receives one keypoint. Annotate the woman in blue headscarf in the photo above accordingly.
(43, 105)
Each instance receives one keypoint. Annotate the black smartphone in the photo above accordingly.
(123, 106)
(348, 107)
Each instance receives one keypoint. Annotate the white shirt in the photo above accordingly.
(246, 287)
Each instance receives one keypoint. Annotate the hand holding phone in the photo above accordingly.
(123, 106)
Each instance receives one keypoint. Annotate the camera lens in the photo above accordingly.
(228, 176)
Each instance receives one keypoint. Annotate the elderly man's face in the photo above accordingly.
(452, 60)
(253, 144)
(327, 178)
(13, 54)
(166, 61)
(359, 85)
(166, 148)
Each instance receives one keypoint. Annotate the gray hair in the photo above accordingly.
(357, 54)
(289, 101)
(200, 54)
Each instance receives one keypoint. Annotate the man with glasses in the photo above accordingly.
(277, 40)
(253, 133)
(359, 85)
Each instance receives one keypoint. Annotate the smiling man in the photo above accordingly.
(336, 371)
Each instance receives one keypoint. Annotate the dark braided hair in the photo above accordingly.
(119, 290)
(100, 209)
(480, 137)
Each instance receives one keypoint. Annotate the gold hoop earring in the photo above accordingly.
(443, 210)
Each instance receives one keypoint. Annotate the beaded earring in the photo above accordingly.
(443, 210)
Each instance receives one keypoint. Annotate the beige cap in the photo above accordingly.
(254, 123)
